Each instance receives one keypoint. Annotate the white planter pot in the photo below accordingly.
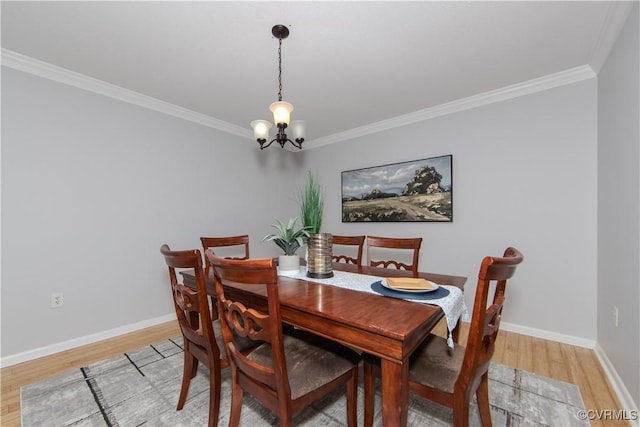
(289, 263)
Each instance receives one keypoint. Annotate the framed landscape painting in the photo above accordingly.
(415, 191)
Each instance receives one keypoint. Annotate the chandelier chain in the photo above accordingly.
(279, 69)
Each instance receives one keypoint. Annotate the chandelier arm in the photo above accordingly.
(263, 143)
(297, 144)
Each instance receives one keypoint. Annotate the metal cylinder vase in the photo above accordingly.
(319, 249)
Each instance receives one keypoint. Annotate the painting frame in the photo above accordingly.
(410, 191)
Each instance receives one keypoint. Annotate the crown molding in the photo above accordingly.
(614, 21)
(550, 81)
(62, 75)
(42, 69)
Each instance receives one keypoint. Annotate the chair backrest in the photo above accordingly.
(254, 322)
(485, 322)
(357, 241)
(225, 242)
(394, 243)
(192, 307)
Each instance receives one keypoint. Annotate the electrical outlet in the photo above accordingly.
(56, 300)
(615, 316)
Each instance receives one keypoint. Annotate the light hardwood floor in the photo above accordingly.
(551, 359)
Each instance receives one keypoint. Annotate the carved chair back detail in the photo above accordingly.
(357, 241)
(412, 244)
(226, 242)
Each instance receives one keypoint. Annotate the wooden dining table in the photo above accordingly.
(389, 328)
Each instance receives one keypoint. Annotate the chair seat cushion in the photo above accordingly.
(311, 361)
(243, 343)
(435, 364)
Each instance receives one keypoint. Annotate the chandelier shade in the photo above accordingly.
(298, 129)
(281, 109)
(261, 129)
(281, 112)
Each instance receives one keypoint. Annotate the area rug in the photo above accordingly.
(142, 387)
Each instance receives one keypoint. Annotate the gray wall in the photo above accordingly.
(91, 187)
(524, 174)
(85, 176)
(619, 206)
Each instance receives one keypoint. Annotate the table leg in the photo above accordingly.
(395, 393)
(455, 334)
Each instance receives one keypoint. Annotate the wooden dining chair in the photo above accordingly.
(412, 244)
(356, 242)
(226, 242)
(201, 335)
(448, 376)
(288, 371)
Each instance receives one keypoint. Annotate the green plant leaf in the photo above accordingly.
(288, 238)
(311, 201)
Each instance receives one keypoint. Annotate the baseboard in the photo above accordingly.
(626, 401)
(90, 339)
(77, 342)
(548, 335)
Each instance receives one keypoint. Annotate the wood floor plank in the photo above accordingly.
(539, 357)
(601, 396)
(525, 354)
(555, 361)
(510, 356)
(500, 346)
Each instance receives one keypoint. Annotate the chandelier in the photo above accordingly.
(281, 109)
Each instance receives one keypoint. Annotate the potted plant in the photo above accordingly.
(319, 245)
(289, 240)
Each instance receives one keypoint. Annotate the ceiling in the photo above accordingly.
(345, 65)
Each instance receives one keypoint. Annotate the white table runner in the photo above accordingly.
(452, 305)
